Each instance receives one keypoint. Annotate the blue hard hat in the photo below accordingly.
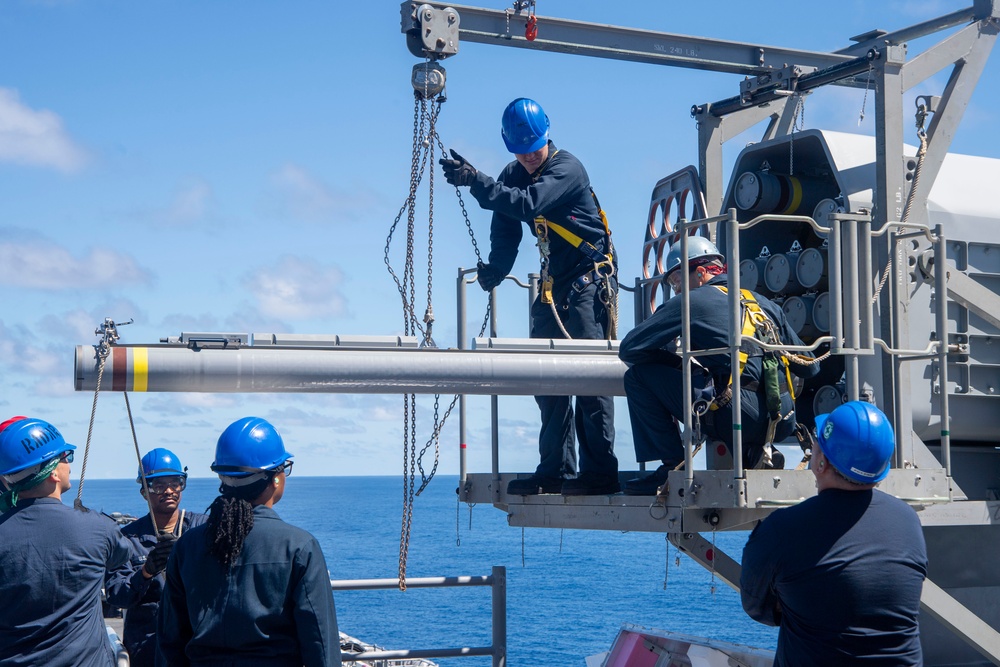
(524, 126)
(160, 462)
(247, 446)
(26, 442)
(700, 250)
(857, 439)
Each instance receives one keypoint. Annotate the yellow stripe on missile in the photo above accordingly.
(140, 368)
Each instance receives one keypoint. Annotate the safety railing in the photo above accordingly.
(497, 581)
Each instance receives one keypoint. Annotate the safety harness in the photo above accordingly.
(775, 372)
(604, 264)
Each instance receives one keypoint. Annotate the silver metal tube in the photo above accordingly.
(499, 601)
(941, 317)
(462, 338)
(348, 370)
(867, 324)
(852, 307)
(685, 269)
(836, 264)
(735, 342)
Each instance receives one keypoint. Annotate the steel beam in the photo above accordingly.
(955, 616)
(492, 26)
(168, 368)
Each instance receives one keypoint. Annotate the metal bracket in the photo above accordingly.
(777, 81)
(431, 33)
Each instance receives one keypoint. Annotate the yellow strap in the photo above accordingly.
(567, 235)
(751, 316)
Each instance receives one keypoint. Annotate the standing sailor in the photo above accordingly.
(841, 573)
(52, 558)
(138, 586)
(548, 190)
(246, 588)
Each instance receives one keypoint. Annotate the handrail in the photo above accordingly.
(497, 581)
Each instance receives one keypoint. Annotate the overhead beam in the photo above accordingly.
(491, 26)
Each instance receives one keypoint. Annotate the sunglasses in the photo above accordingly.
(162, 484)
(66, 457)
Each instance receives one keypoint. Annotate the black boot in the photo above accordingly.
(532, 486)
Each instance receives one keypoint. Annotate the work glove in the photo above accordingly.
(156, 559)
(489, 276)
(458, 171)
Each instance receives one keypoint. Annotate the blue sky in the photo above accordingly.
(236, 166)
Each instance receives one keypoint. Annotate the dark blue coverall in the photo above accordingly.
(127, 588)
(272, 608)
(561, 193)
(847, 568)
(52, 565)
(654, 381)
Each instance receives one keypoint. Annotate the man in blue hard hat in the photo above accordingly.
(52, 557)
(548, 190)
(137, 587)
(654, 381)
(246, 588)
(842, 572)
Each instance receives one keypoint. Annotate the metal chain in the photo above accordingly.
(864, 100)
(798, 123)
(921, 153)
(108, 331)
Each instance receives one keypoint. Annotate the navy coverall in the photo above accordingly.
(127, 588)
(561, 193)
(654, 382)
(272, 608)
(52, 564)
(847, 569)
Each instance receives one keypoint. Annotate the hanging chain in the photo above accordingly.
(138, 457)
(108, 331)
(798, 123)
(864, 100)
(666, 560)
(921, 118)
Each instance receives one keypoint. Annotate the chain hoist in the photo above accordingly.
(428, 82)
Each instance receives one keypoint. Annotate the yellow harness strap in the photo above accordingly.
(756, 320)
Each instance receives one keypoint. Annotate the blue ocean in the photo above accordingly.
(568, 590)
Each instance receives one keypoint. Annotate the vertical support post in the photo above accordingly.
(903, 421)
(494, 408)
(499, 599)
(735, 342)
(867, 340)
(462, 337)
(941, 317)
(685, 269)
(890, 198)
(836, 269)
(710, 140)
(852, 325)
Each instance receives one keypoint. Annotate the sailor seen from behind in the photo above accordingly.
(247, 588)
(842, 572)
(53, 558)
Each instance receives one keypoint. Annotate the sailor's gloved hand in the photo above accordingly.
(458, 171)
(156, 559)
(489, 276)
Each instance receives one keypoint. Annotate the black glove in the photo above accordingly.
(489, 276)
(458, 171)
(156, 559)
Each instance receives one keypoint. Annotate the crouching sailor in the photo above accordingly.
(138, 586)
(52, 558)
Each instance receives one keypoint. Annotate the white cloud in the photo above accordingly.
(189, 205)
(35, 137)
(298, 288)
(39, 263)
(297, 193)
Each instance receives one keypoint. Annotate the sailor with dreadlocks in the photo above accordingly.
(246, 588)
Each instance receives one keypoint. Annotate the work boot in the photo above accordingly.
(648, 485)
(591, 484)
(532, 486)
